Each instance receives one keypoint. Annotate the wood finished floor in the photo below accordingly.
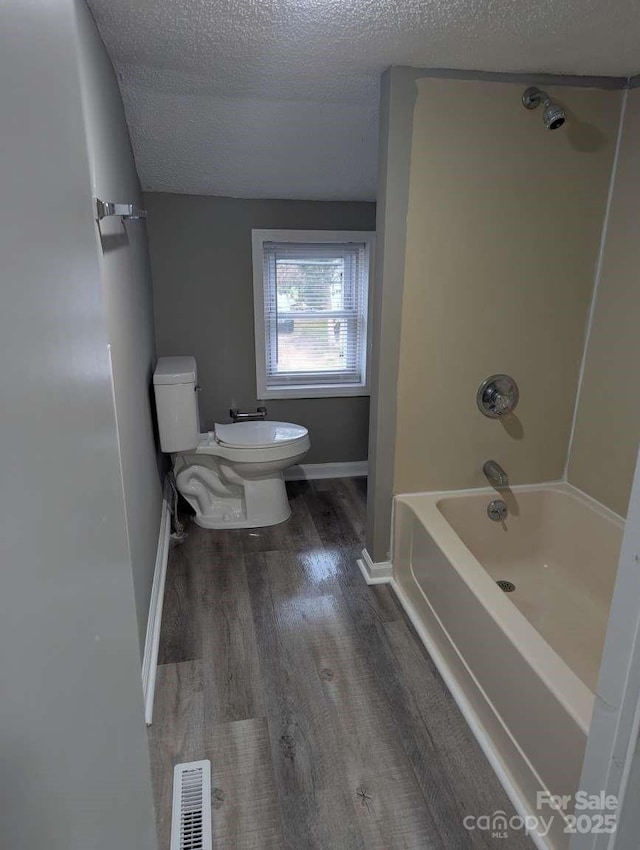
(325, 720)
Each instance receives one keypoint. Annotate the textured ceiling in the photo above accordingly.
(279, 98)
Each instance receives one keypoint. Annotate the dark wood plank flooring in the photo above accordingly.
(325, 720)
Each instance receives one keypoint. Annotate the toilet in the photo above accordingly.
(231, 476)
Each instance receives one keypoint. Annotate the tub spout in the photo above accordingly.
(496, 475)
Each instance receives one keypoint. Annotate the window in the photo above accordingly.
(311, 300)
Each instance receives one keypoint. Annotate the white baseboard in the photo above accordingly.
(152, 641)
(310, 471)
(380, 572)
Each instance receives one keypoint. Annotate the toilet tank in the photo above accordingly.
(175, 382)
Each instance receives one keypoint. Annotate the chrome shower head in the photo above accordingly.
(553, 115)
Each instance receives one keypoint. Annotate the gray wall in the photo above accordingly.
(74, 769)
(396, 123)
(203, 296)
(126, 286)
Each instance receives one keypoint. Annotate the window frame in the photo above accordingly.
(310, 390)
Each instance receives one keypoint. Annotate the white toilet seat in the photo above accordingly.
(255, 448)
(261, 434)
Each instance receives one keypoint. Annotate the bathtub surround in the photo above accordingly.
(203, 299)
(607, 422)
(488, 278)
(502, 242)
(127, 297)
(72, 722)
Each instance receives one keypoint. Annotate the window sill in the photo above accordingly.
(328, 391)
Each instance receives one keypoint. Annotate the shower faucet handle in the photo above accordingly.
(501, 402)
(497, 395)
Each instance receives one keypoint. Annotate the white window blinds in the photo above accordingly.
(315, 313)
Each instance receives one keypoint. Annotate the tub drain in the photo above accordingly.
(507, 586)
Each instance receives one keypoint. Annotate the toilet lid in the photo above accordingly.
(258, 435)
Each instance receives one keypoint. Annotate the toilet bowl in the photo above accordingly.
(231, 476)
(234, 478)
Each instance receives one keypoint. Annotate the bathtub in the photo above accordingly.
(522, 666)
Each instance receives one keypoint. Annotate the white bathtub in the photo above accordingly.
(523, 666)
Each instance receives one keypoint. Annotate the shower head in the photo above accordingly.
(553, 115)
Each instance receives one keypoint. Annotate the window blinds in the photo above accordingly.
(315, 308)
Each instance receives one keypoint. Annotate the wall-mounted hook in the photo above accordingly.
(104, 209)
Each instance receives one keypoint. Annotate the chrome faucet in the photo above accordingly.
(495, 474)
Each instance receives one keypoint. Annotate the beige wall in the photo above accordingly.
(503, 229)
(607, 429)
